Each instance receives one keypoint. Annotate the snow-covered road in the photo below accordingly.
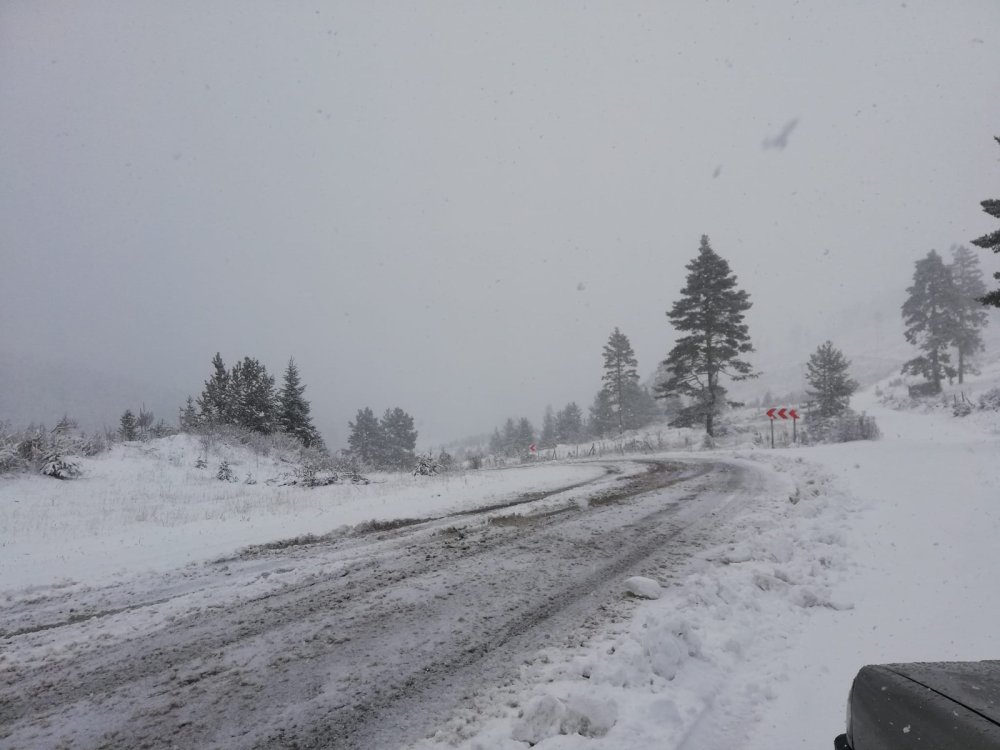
(367, 640)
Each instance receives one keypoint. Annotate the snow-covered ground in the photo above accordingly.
(850, 554)
(145, 506)
(865, 552)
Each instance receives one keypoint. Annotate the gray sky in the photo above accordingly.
(449, 206)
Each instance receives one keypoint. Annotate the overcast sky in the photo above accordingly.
(449, 206)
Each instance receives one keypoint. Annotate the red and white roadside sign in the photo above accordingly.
(783, 412)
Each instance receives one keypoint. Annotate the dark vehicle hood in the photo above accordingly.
(975, 685)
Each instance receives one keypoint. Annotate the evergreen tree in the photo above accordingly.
(215, 404)
(640, 407)
(710, 314)
(400, 439)
(510, 437)
(620, 375)
(931, 323)
(826, 373)
(991, 241)
(569, 424)
(254, 401)
(293, 409)
(366, 440)
(496, 443)
(970, 318)
(129, 428)
(550, 430)
(525, 436)
(188, 417)
(603, 420)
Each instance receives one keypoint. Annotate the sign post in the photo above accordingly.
(784, 413)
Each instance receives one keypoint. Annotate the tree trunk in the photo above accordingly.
(961, 365)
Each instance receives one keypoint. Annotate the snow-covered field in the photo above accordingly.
(851, 554)
(146, 507)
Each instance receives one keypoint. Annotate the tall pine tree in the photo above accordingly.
(550, 430)
(710, 314)
(254, 401)
(602, 422)
(366, 439)
(620, 375)
(831, 386)
(400, 439)
(931, 323)
(293, 409)
(215, 404)
(569, 424)
(970, 317)
(991, 241)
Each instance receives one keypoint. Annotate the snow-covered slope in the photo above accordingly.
(146, 506)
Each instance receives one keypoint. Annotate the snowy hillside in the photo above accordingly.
(145, 506)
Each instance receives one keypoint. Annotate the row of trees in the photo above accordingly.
(943, 313)
(388, 443)
(245, 396)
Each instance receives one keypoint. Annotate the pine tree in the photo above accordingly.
(188, 417)
(525, 435)
(569, 424)
(931, 323)
(710, 313)
(620, 374)
(400, 439)
(293, 409)
(970, 318)
(496, 442)
(550, 430)
(215, 404)
(640, 407)
(366, 440)
(510, 437)
(826, 373)
(254, 401)
(128, 429)
(991, 241)
(602, 415)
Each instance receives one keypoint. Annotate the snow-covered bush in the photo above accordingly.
(225, 472)
(426, 465)
(843, 428)
(990, 401)
(36, 448)
(56, 466)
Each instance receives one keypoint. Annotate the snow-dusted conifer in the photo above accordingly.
(365, 439)
(254, 401)
(215, 404)
(569, 424)
(991, 241)
(400, 439)
(550, 430)
(128, 427)
(931, 322)
(188, 417)
(620, 375)
(710, 315)
(603, 421)
(970, 317)
(293, 409)
(831, 386)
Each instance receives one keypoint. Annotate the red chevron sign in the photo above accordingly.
(783, 412)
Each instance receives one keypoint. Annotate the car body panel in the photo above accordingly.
(932, 706)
